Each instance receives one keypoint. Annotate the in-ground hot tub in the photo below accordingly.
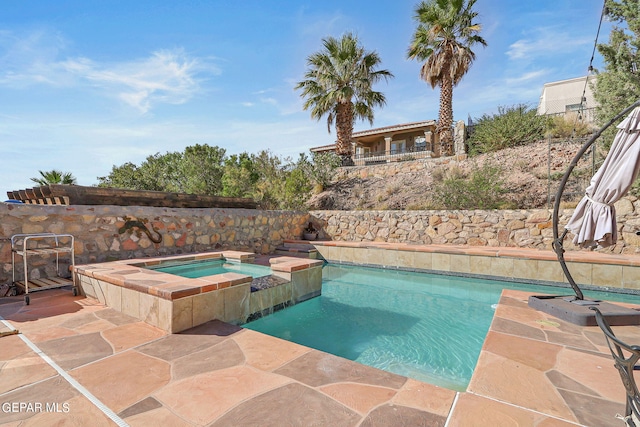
(194, 269)
(173, 303)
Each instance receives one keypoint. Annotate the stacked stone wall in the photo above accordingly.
(99, 236)
(509, 228)
(401, 166)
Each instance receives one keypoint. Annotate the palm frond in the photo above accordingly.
(339, 82)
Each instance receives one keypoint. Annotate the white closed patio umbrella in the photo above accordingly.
(594, 220)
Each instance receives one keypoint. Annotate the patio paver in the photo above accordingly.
(533, 370)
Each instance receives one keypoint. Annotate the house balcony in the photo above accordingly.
(378, 157)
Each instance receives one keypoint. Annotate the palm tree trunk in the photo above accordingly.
(344, 132)
(445, 116)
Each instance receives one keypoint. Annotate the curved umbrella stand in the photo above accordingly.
(558, 239)
(575, 308)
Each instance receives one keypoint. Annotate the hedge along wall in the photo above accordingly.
(513, 228)
(98, 236)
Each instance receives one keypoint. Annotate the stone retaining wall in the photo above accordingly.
(513, 228)
(96, 230)
(98, 236)
(400, 166)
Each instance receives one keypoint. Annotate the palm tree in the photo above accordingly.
(443, 40)
(54, 177)
(338, 83)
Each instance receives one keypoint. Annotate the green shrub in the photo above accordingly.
(481, 188)
(443, 173)
(296, 190)
(568, 125)
(323, 166)
(512, 126)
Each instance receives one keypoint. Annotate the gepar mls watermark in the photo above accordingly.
(34, 407)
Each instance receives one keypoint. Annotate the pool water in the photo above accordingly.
(203, 268)
(425, 326)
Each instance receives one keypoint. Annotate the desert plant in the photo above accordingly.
(323, 166)
(406, 158)
(635, 188)
(296, 190)
(568, 125)
(443, 173)
(481, 188)
(522, 165)
(54, 176)
(419, 206)
(510, 127)
(569, 204)
(391, 189)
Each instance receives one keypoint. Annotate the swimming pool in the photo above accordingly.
(209, 267)
(424, 326)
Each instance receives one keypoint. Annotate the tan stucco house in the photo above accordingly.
(390, 143)
(569, 96)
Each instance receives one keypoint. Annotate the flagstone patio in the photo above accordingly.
(68, 360)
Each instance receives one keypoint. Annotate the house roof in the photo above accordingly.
(573, 80)
(394, 128)
(323, 148)
(376, 131)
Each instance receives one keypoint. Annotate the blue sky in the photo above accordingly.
(86, 85)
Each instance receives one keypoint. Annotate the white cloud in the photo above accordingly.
(320, 24)
(166, 76)
(27, 59)
(282, 98)
(270, 101)
(526, 78)
(545, 42)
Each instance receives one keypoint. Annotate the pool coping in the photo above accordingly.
(582, 256)
(590, 269)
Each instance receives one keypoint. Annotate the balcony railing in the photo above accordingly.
(376, 157)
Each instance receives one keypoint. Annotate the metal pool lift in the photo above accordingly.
(609, 184)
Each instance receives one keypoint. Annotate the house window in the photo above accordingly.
(420, 143)
(363, 151)
(573, 107)
(398, 146)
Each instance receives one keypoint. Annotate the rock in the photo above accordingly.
(624, 207)
(540, 216)
(515, 225)
(434, 220)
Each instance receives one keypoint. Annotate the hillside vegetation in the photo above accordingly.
(521, 177)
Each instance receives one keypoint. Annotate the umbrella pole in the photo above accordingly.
(557, 238)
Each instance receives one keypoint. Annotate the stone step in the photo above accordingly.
(297, 252)
(298, 244)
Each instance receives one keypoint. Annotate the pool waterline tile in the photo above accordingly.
(594, 269)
